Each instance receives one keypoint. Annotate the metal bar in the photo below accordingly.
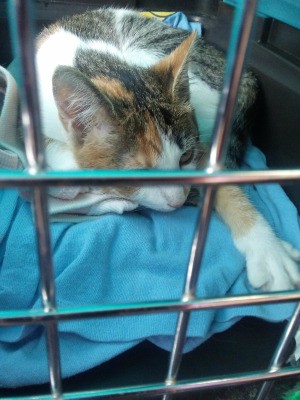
(190, 286)
(239, 40)
(21, 23)
(198, 245)
(47, 287)
(177, 349)
(281, 353)
(151, 390)
(119, 178)
(21, 317)
(22, 37)
(240, 35)
(44, 246)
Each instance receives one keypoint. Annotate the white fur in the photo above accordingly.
(58, 49)
(60, 154)
(130, 53)
(161, 198)
(167, 197)
(205, 102)
(271, 263)
(170, 154)
(103, 47)
(110, 203)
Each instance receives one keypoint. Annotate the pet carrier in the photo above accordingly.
(137, 299)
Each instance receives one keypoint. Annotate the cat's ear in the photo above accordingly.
(174, 67)
(80, 105)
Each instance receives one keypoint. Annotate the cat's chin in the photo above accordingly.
(161, 199)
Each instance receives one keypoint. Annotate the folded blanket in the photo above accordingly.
(139, 256)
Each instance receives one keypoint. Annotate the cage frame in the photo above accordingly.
(38, 180)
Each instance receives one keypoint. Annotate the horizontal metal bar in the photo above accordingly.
(21, 317)
(147, 391)
(109, 178)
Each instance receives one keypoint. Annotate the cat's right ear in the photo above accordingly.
(174, 68)
(80, 105)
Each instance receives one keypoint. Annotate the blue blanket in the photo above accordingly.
(113, 259)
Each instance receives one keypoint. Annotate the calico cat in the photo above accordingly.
(121, 91)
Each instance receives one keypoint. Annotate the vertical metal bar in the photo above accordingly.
(240, 36)
(190, 285)
(281, 353)
(20, 12)
(22, 37)
(47, 287)
(239, 40)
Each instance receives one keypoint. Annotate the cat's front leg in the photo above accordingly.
(271, 263)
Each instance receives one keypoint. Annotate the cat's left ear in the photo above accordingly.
(81, 106)
(174, 68)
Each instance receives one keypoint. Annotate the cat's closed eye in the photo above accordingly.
(186, 158)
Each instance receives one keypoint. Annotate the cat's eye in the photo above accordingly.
(186, 157)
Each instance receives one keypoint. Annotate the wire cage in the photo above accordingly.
(38, 179)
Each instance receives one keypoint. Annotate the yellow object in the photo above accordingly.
(158, 14)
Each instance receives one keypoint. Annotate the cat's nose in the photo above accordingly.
(174, 196)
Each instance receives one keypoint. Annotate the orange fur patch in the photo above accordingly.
(149, 145)
(95, 153)
(113, 88)
(186, 190)
(235, 209)
(175, 61)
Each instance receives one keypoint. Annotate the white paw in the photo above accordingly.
(271, 262)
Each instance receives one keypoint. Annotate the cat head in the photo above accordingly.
(127, 117)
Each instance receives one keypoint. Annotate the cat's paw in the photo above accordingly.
(271, 262)
(275, 267)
